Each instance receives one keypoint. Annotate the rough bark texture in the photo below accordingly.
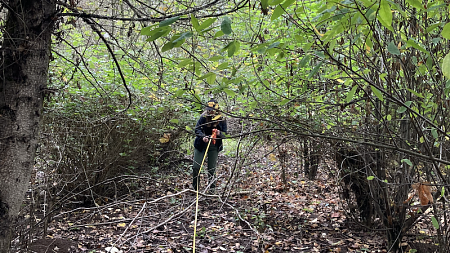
(23, 79)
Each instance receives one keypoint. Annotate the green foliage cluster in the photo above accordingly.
(370, 75)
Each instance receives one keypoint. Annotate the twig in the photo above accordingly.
(242, 219)
(234, 167)
(142, 209)
(161, 224)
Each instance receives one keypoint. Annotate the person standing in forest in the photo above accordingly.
(211, 126)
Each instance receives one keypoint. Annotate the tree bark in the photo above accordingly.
(23, 78)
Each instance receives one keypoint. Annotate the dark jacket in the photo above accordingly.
(204, 128)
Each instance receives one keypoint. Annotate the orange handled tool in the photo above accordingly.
(214, 136)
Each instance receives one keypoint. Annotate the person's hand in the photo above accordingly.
(205, 139)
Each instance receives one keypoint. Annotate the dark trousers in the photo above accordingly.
(212, 164)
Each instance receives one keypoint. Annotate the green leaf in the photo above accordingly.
(232, 47)
(446, 66)
(367, 3)
(402, 109)
(287, 3)
(337, 29)
(284, 101)
(183, 36)
(407, 161)
(370, 178)
(413, 43)
(147, 30)
(385, 15)
(215, 58)
(277, 13)
(159, 32)
(184, 62)
(434, 133)
(377, 93)
(188, 128)
(280, 56)
(207, 23)
(176, 41)
(315, 70)
(168, 21)
(230, 93)
(393, 49)
(415, 93)
(222, 66)
(433, 26)
(304, 61)
(237, 44)
(194, 22)
(264, 5)
(233, 72)
(207, 30)
(275, 2)
(416, 4)
(218, 34)
(226, 25)
(446, 31)
(274, 45)
(179, 92)
(442, 191)
(175, 121)
(435, 222)
(206, 76)
(211, 79)
(351, 94)
(169, 45)
(307, 46)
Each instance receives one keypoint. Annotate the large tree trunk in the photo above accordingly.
(23, 79)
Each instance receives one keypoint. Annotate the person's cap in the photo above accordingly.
(212, 105)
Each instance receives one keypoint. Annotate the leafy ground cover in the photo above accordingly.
(260, 214)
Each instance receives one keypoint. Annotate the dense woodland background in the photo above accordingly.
(343, 101)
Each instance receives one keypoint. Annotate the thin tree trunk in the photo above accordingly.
(23, 80)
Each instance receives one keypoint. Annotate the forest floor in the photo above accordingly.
(259, 214)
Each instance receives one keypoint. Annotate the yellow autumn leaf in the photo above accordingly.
(367, 49)
(217, 117)
(273, 157)
(165, 138)
(122, 225)
(317, 31)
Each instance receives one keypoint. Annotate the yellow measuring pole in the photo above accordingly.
(196, 201)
